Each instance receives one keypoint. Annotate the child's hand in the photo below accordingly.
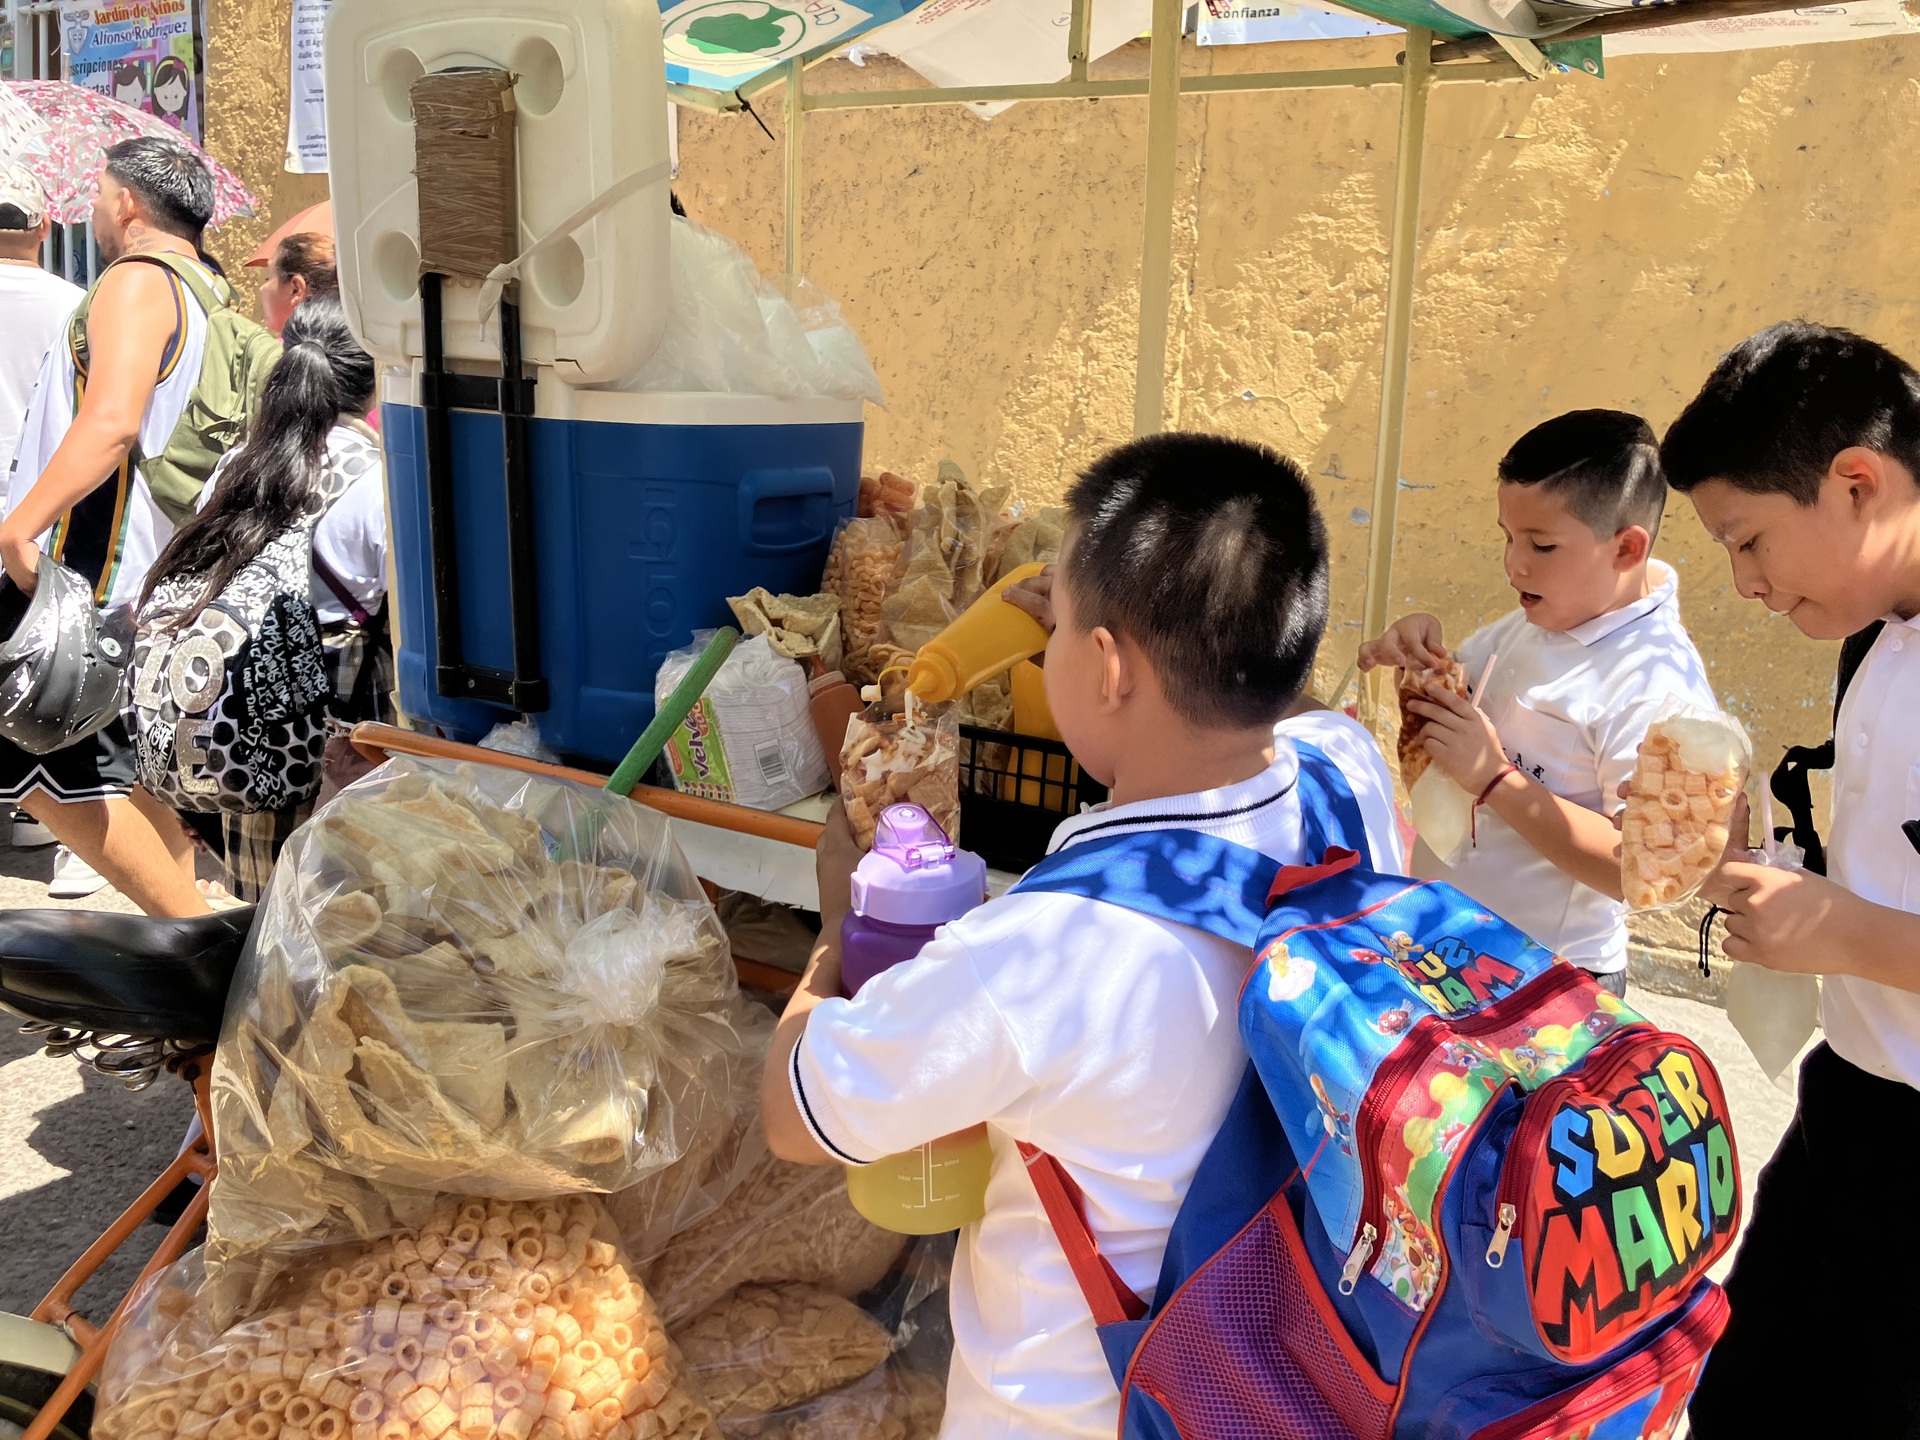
(1777, 918)
(834, 857)
(1035, 596)
(1461, 740)
(1411, 643)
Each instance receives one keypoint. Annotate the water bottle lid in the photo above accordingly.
(915, 875)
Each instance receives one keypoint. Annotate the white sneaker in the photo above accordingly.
(73, 878)
(29, 833)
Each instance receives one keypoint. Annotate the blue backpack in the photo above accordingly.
(1463, 1192)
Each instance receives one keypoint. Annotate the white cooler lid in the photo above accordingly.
(590, 104)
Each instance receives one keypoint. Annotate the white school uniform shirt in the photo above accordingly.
(1106, 1038)
(1572, 707)
(1876, 790)
(115, 539)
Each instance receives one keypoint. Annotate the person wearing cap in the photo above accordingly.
(34, 304)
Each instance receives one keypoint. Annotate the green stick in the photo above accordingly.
(679, 704)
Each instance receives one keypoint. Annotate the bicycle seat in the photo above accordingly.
(122, 974)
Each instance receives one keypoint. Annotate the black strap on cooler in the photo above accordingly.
(511, 395)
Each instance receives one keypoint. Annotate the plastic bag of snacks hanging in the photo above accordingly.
(901, 750)
(464, 979)
(1690, 771)
(517, 1320)
(860, 571)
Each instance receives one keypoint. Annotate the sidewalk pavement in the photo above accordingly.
(76, 1149)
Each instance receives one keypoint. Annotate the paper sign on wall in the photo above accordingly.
(1266, 22)
(307, 96)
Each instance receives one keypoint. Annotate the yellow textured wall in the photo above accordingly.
(248, 73)
(1584, 242)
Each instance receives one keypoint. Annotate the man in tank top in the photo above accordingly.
(76, 493)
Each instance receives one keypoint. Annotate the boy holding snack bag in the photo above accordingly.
(1185, 611)
(1800, 456)
(1564, 688)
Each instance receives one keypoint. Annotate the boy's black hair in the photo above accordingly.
(1603, 463)
(1781, 404)
(1210, 555)
(170, 181)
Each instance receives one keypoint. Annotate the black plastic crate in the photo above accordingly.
(1014, 790)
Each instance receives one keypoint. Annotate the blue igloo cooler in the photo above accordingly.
(646, 513)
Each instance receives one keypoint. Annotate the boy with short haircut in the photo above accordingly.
(1800, 456)
(1580, 671)
(1189, 600)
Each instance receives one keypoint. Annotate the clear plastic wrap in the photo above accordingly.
(860, 570)
(1414, 758)
(433, 1000)
(943, 565)
(767, 1348)
(749, 740)
(912, 754)
(731, 331)
(1690, 771)
(1775, 1011)
(783, 1224)
(519, 1320)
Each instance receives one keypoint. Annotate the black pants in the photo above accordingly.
(1825, 1335)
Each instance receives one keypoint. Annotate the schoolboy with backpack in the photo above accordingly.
(1458, 1191)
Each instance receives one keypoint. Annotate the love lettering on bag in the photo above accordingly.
(1637, 1195)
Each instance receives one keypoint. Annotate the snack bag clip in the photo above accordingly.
(914, 881)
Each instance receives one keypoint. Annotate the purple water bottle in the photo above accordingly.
(912, 882)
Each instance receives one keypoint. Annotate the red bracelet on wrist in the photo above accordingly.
(1481, 798)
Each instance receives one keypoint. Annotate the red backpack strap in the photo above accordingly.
(1109, 1297)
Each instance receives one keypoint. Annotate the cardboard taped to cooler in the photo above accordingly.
(464, 165)
(589, 114)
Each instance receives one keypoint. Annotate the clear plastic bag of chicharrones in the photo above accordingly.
(490, 1320)
(469, 980)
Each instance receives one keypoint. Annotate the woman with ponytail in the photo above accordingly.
(290, 539)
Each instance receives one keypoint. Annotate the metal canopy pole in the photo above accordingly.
(796, 123)
(1402, 263)
(1156, 242)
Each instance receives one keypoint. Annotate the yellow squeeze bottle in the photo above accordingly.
(1033, 716)
(988, 639)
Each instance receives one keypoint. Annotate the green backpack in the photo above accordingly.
(233, 372)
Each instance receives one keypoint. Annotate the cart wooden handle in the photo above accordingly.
(377, 742)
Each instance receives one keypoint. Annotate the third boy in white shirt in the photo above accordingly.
(1583, 667)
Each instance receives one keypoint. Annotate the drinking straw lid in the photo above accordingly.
(915, 875)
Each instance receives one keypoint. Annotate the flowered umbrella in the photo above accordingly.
(82, 125)
(22, 133)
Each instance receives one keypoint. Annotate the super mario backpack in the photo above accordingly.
(1463, 1191)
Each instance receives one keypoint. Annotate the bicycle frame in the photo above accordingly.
(58, 1308)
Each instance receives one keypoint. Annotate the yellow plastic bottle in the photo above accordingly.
(938, 1187)
(1033, 716)
(987, 640)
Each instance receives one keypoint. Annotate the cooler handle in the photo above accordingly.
(807, 481)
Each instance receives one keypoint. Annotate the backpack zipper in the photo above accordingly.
(1538, 1114)
(1632, 1378)
(1400, 1066)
